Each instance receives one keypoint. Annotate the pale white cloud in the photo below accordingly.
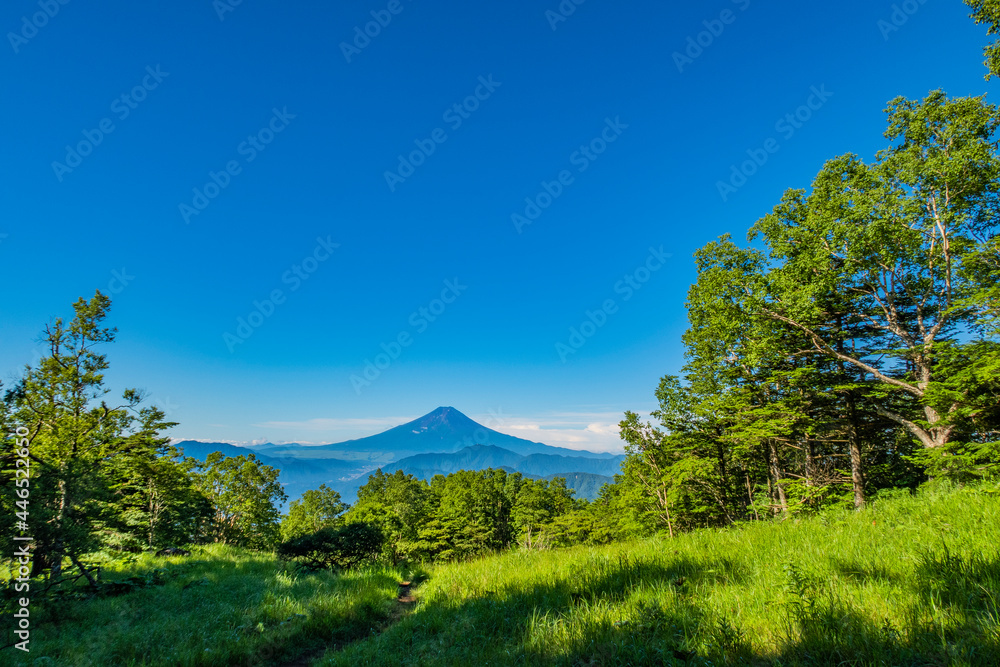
(595, 431)
(318, 431)
(246, 443)
(327, 424)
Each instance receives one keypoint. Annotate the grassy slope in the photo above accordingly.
(911, 581)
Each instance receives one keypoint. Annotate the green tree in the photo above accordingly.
(539, 503)
(988, 12)
(245, 494)
(156, 501)
(894, 240)
(317, 509)
(80, 445)
(870, 311)
(397, 505)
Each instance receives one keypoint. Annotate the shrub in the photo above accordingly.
(342, 547)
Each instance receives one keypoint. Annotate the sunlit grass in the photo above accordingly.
(912, 580)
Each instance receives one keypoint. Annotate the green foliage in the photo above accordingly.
(857, 348)
(988, 12)
(341, 547)
(101, 476)
(470, 513)
(962, 462)
(245, 494)
(317, 509)
(157, 503)
(397, 505)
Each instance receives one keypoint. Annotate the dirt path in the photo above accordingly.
(405, 602)
(404, 597)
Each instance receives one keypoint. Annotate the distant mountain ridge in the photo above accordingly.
(480, 457)
(440, 442)
(586, 483)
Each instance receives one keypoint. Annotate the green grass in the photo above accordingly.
(221, 606)
(910, 581)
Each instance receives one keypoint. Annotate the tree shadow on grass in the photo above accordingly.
(213, 597)
(496, 626)
(864, 574)
(666, 624)
(955, 619)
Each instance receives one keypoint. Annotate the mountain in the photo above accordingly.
(477, 457)
(440, 442)
(586, 485)
(445, 430)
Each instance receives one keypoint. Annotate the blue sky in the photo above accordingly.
(516, 172)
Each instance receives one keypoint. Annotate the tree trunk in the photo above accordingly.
(57, 546)
(775, 467)
(854, 443)
(750, 496)
(853, 440)
(810, 462)
(86, 573)
(723, 481)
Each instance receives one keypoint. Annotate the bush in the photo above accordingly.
(341, 548)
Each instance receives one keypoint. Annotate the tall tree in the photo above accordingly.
(79, 443)
(893, 240)
(155, 500)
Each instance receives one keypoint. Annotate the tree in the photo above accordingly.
(871, 310)
(156, 502)
(539, 503)
(317, 509)
(895, 241)
(395, 504)
(988, 12)
(80, 445)
(245, 494)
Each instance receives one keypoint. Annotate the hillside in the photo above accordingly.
(914, 580)
(586, 485)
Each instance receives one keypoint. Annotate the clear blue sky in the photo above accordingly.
(197, 88)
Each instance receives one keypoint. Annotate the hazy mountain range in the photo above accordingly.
(440, 442)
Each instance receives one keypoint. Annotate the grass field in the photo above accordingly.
(913, 580)
(220, 606)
